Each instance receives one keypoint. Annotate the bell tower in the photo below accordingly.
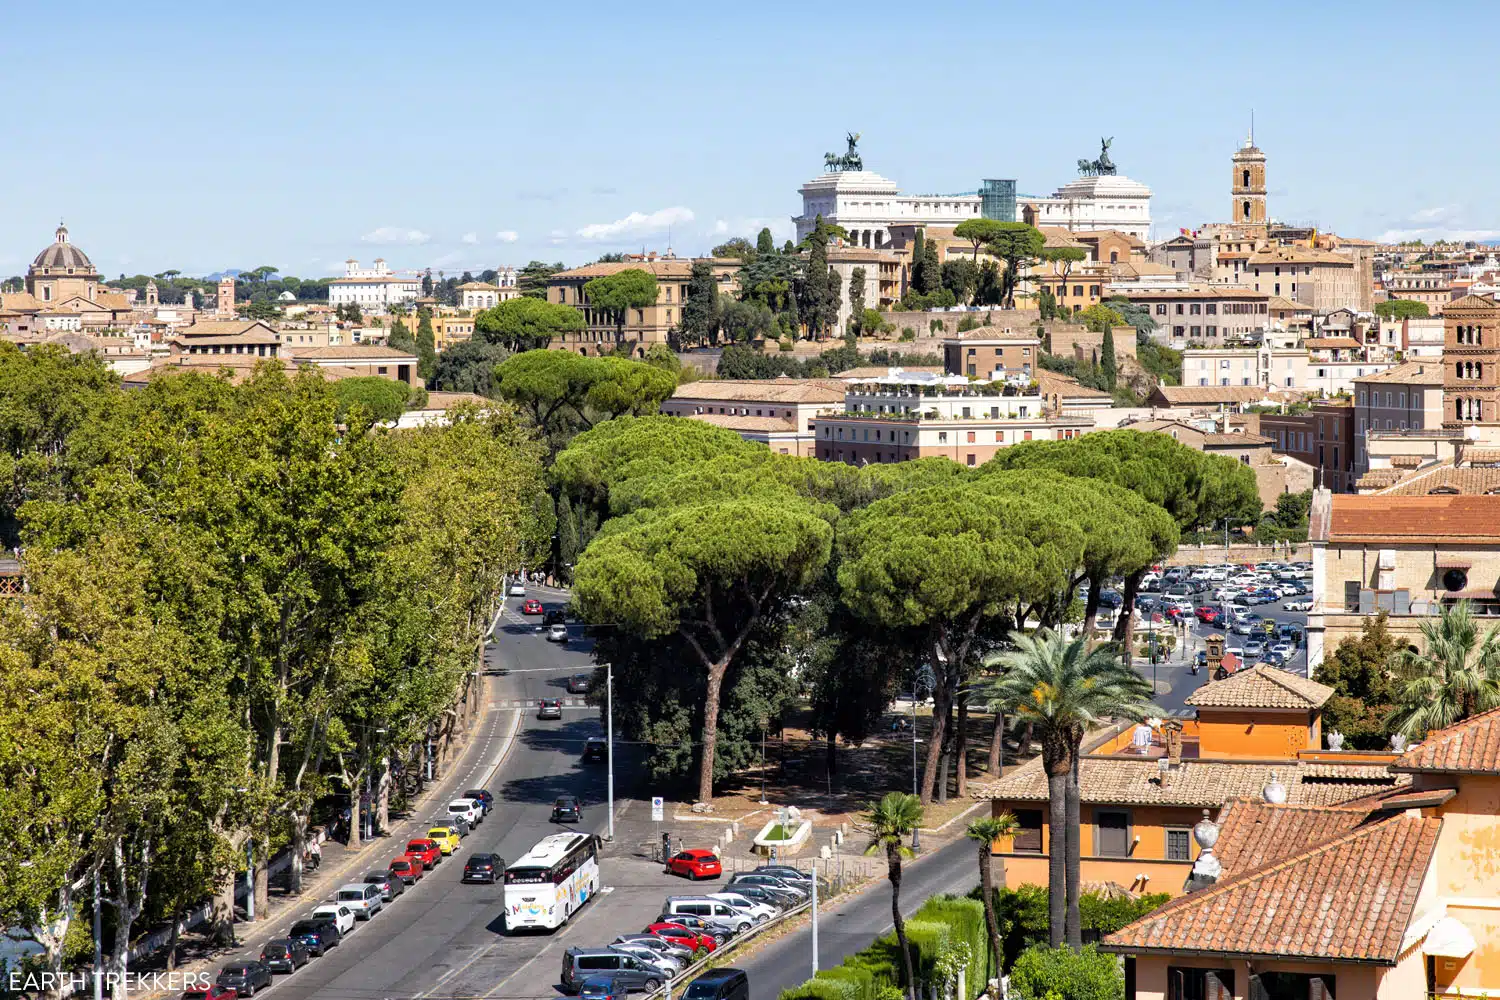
(1247, 200)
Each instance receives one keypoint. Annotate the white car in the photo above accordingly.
(761, 912)
(664, 964)
(341, 915)
(557, 633)
(518, 589)
(1283, 648)
(1218, 575)
(1297, 606)
(364, 899)
(471, 811)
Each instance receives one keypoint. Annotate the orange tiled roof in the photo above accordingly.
(1254, 833)
(1445, 479)
(736, 422)
(1468, 747)
(1178, 395)
(765, 390)
(1261, 687)
(1202, 783)
(1348, 898)
(1408, 518)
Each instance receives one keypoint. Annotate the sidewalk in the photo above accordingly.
(342, 863)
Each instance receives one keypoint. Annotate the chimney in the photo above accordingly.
(1172, 731)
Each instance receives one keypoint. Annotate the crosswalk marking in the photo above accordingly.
(532, 703)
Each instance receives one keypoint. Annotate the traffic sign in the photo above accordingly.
(658, 810)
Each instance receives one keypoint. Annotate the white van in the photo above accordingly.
(761, 912)
(715, 910)
(364, 899)
(336, 913)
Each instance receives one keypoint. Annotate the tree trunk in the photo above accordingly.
(299, 844)
(893, 872)
(961, 746)
(356, 827)
(716, 674)
(1057, 854)
(1124, 633)
(1074, 919)
(1091, 607)
(831, 754)
(383, 814)
(997, 747)
(987, 886)
(262, 881)
(939, 732)
(172, 942)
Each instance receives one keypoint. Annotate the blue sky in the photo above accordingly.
(210, 136)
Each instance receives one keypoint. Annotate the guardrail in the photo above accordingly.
(664, 991)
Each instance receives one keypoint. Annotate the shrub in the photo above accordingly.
(1101, 916)
(935, 326)
(859, 978)
(820, 988)
(384, 398)
(1085, 975)
(928, 940)
(969, 322)
(907, 333)
(965, 920)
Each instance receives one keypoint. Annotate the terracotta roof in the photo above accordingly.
(1330, 343)
(992, 333)
(736, 422)
(1261, 687)
(1348, 898)
(1423, 519)
(1481, 456)
(350, 352)
(1253, 832)
(1406, 461)
(1066, 386)
(880, 371)
(1468, 747)
(1187, 395)
(1479, 302)
(1277, 302)
(1201, 783)
(764, 390)
(1234, 440)
(1298, 255)
(1194, 292)
(1447, 479)
(478, 286)
(239, 366)
(1058, 236)
(662, 268)
(223, 328)
(448, 400)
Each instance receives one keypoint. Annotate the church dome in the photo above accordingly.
(61, 256)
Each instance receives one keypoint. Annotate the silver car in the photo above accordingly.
(665, 964)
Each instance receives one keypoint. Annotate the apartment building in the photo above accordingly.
(1323, 438)
(1321, 279)
(1434, 289)
(1269, 367)
(778, 413)
(1203, 313)
(992, 353)
(1393, 407)
(916, 415)
(644, 326)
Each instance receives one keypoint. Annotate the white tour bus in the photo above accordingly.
(547, 885)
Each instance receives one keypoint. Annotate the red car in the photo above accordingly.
(678, 934)
(532, 607)
(426, 851)
(1207, 613)
(408, 869)
(211, 992)
(695, 863)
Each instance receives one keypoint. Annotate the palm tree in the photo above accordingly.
(1458, 675)
(890, 821)
(1063, 688)
(985, 832)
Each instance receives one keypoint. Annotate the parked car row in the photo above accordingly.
(353, 902)
(689, 926)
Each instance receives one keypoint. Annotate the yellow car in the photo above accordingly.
(446, 837)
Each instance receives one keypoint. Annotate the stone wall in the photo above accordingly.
(1016, 319)
(1084, 345)
(1202, 555)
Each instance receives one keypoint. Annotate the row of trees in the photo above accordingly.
(736, 575)
(242, 600)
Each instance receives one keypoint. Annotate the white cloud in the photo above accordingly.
(470, 237)
(396, 234)
(721, 228)
(637, 224)
(1432, 214)
(507, 236)
(558, 236)
(750, 227)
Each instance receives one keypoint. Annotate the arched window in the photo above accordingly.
(1458, 370)
(1246, 179)
(1247, 209)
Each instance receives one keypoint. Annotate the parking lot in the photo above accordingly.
(1248, 606)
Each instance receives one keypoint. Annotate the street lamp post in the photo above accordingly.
(609, 729)
(815, 915)
(98, 942)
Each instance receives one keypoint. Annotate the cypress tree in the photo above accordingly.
(932, 271)
(426, 347)
(764, 244)
(401, 338)
(918, 260)
(1111, 367)
(815, 287)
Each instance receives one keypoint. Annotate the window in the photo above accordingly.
(1195, 309)
(1211, 309)
(1111, 834)
(1179, 308)
(970, 458)
(1179, 845)
(1199, 984)
(1029, 839)
(971, 441)
(1291, 986)
(942, 437)
(1161, 309)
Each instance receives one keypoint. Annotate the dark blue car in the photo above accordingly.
(602, 988)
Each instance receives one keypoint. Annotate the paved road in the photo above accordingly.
(849, 928)
(443, 939)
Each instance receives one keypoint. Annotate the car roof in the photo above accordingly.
(567, 798)
(699, 852)
(719, 975)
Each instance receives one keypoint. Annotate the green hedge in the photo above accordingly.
(942, 923)
(1021, 914)
(1041, 973)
